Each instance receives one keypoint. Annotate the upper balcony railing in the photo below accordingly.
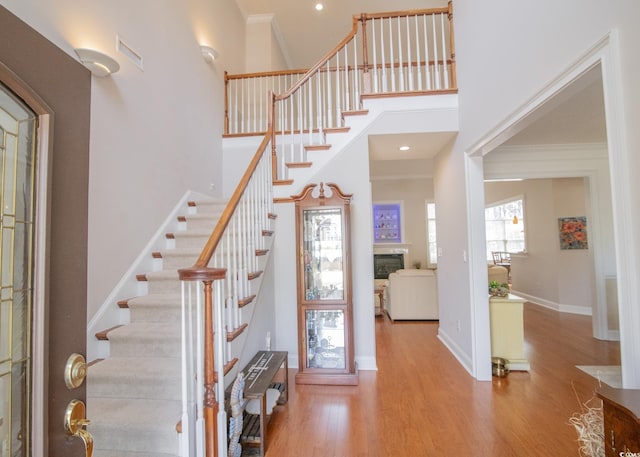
(384, 54)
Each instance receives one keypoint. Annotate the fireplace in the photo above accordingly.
(383, 264)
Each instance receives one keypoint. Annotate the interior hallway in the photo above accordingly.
(421, 402)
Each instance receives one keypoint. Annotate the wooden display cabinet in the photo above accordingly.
(325, 306)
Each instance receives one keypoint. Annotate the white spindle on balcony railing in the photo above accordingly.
(397, 53)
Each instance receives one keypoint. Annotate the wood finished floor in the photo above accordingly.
(421, 402)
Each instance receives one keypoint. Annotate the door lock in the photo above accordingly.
(74, 422)
(75, 371)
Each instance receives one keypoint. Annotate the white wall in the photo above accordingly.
(263, 51)
(506, 53)
(155, 133)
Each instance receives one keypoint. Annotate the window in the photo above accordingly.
(432, 248)
(505, 227)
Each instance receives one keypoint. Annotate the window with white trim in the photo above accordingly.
(505, 226)
(432, 247)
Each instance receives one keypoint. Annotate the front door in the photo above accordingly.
(35, 340)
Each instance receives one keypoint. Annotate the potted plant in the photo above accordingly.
(498, 290)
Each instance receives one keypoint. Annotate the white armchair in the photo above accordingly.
(412, 295)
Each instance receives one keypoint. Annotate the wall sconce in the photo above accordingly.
(98, 63)
(209, 53)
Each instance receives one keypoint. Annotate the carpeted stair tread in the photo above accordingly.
(146, 339)
(174, 259)
(205, 221)
(139, 425)
(191, 238)
(163, 281)
(135, 377)
(109, 453)
(156, 308)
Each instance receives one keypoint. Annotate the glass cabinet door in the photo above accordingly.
(325, 339)
(323, 254)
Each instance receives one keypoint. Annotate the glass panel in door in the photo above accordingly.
(17, 164)
(323, 254)
(325, 339)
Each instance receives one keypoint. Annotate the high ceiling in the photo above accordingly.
(307, 34)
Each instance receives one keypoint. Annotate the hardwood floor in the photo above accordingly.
(421, 402)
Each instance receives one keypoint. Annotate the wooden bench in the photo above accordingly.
(267, 370)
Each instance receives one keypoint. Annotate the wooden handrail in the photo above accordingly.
(391, 14)
(230, 208)
(320, 63)
(267, 74)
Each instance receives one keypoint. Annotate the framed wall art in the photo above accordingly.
(573, 232)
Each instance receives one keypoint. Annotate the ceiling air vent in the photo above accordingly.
(134, 56)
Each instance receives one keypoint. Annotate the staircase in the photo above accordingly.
(160, 391)
(134, 395)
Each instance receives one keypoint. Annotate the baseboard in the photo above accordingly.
(456, 350)
(366, 363)
(570, 309)
(613, 335)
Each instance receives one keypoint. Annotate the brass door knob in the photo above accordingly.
(74, 422)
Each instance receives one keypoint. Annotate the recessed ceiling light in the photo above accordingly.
(319, 6)
(405, 148)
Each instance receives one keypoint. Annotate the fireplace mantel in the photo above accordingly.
(391, 248)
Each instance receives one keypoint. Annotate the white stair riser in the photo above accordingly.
(134, 439)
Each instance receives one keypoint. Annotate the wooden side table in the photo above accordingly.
(621, 411)
(267, 369)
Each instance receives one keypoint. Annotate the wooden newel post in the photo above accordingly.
(226, 102)
(272, 131)
(366, 76)
(210, 408)
(211, 405)
(454, 79)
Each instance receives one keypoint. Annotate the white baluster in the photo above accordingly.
(347, 101)
(338, 97)
(392, 62)
(419, 74)
(426, 53)
(291, 128)
(319, 105)
(356, 75)
(435, 53)
(409, 57)
(384, 62)
(242, 106)
(400, 59)
(329, 98)
(375, 56)
(310, 110)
